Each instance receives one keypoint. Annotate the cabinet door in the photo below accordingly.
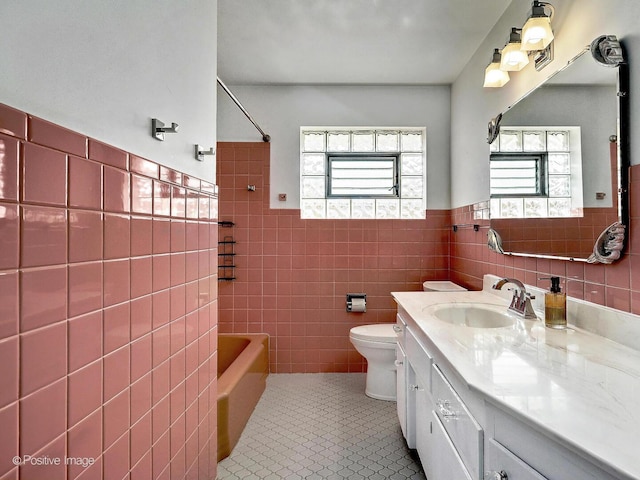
(499, 459)
(445, 462)
(423, 422)
(401, 390)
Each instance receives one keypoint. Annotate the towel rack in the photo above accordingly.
(226, 255)
(475, 226)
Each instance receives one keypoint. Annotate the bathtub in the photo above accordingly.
(243, 366)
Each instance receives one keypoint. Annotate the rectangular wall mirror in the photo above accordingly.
(559, 161)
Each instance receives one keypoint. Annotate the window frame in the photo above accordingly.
(364, 155)
(542, 175)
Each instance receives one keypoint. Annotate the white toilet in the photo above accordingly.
(377, 343)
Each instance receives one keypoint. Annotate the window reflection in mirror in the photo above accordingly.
(536, 172)
(581, 99)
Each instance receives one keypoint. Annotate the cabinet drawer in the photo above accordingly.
(465, 432)
(500, 459)
(445, 462)
(420, 360)
(548, 457)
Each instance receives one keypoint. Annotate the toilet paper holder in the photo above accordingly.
(356, 302)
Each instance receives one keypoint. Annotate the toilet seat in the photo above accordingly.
(381, 333)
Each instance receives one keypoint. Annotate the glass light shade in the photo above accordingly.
(494, 76)
(536, 33)
(513, 58)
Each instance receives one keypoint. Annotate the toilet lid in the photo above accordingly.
(381, 332)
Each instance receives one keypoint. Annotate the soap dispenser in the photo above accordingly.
(555, 306)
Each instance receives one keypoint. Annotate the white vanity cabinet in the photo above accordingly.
(463, 433)
(447, 438)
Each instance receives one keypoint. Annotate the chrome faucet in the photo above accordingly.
(521, 301)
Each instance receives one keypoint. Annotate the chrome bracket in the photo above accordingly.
(158, 129)
(200, 152)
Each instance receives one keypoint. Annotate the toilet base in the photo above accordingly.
(380, 397)
(381, 382)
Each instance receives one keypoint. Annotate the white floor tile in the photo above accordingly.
(321, 426)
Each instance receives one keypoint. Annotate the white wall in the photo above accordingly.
(576, 24)
(105, 68)
(282, 110)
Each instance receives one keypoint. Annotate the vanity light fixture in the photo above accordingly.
(536, 32)
(534, 39)
(514, 58)
(494, 76)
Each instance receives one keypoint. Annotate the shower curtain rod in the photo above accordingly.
(265, 137)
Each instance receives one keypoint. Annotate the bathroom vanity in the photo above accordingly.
(507, 399)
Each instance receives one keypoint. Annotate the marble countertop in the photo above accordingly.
(580, 388)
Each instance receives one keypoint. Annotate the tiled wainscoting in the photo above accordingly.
(616, 285)
(108, 311)
(292, 275)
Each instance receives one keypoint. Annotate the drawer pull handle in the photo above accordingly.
(444, 407)
(415, 387)
(501, 475)
(397, 329)
(398, 363)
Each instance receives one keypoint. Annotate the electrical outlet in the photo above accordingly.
(282, 197)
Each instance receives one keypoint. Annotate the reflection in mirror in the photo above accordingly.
(558, 166)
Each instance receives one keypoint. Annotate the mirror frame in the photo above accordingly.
(606, 50)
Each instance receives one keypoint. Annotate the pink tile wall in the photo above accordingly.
(616, 285)
(292, 275)
(108, 309)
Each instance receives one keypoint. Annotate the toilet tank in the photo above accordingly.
(442, 286)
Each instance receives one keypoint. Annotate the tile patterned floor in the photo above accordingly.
(321, 426)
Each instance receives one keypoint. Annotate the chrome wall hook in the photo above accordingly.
(201, 152)
(158, 129)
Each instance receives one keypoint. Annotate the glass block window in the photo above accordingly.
(363, 173)
(531, 172)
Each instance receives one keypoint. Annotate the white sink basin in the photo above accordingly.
(475, 315)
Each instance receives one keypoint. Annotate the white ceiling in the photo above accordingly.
(407, 42)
